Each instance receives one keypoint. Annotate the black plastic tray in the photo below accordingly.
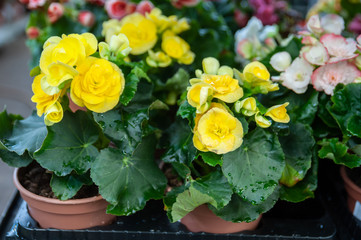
(334, 196)
(307, 220)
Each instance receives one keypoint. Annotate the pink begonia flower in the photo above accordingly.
(24, 1)
(308, 40)
(144, 7)
(33, 32)
(355, 24)
(131, 8)
(33, 4)
(240, 18)
(281, 61)
(314, 24)
(116, 9)
(332, 23)
(338, 47)
(266, 13)
(297, 76)
(326, 78)
(86, 18)
(315, 54)
(55, 11)
(184, 3)
(97, 2)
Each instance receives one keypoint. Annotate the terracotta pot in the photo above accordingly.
(353, 191)
(69, 214)
(202, 219)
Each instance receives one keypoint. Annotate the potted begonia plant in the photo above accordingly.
(72, 71)
(232, 158)
(330, 63)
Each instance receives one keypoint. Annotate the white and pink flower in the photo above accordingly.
(281, 61)
(55, 11)
(358, 39)
(338, 47)
(86, 18)
(117, 9)
(326, 78)
(332, 23)
(34, 4)
(144, 7)
(314, 24)
(297, 76)
(315, 54)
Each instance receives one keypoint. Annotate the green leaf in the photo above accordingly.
(297, 147)
(239, 210)
(187, 111)
(125, 129)
(177, 83)
(323, 113)
(130, 88)
(305, 188)
(255, 168)
(216, 186)
(181, 148)
(68, 145)
(213, 189)
(127, 182)
(346, 107)
(35, 71)
(67, 187)
(28, 135)
(6, 123)
(13, 159)
(338, 152)
(211, 159)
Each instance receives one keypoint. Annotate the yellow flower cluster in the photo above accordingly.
(144, 32)
(66, 62)
(216, 129)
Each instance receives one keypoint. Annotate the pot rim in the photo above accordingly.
(348, 181)
(29, 194)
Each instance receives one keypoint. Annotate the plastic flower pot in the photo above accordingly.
(69, 214)
(353, 191)
(202, 219)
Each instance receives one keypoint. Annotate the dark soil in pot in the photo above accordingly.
(36, 179)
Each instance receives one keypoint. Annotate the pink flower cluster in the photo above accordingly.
(326, 59)
(265, 10)
(118, 9)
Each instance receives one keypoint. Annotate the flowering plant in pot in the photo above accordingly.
(330, 63)
(109, 145)
(232, 155)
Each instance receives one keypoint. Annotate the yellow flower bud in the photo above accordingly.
(225, 70)
(225, 87)
(210, 65)
(162, 22)
(98, 85)
(217, 131)
(43, 101)
(104, 50)
(158, 59)
(278, 113)
(199, 96)
(141, 33)
(262, 121)
(119, 44)
(247, 106)
(256, 70)
(180, 26)
(54, 114)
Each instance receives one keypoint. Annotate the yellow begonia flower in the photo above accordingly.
(180, 25)
(158, 59)
(199, 96)
(247, 106)
(110, 28)
(59, 73)
(162, 22)
(141, 32)
(177, 48)
(256, 69)
(262, 121)
(43, 101)
(225, 87)
(89, 41)
(98, 85)
(278, 113)
(217, 131)
(54, 114)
